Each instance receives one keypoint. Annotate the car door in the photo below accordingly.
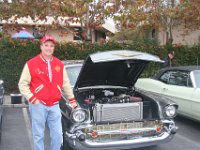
(179, 89)
(151, 85)
(195, 104)
(195, 100)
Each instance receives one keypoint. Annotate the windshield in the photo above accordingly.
(73, 72)
(196, 74)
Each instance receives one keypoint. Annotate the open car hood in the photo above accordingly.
(113, 68)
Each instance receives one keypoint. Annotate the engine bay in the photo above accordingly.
(105, 105)
(107, 96)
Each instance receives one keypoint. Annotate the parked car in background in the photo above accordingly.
(181, 84)
(1, 105)
(73, 68)
(111, 113)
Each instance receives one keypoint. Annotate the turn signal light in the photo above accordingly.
(158, 129)
(94, 134)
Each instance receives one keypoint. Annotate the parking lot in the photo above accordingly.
(16, 133)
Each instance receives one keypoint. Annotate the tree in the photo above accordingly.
(89, 13)
(191, 13)
(156, 14)
(138, 15)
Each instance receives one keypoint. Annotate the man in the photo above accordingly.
(168, 60)
(41, 82)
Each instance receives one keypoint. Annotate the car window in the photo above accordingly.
(176, 77)
(165, 77)
(190, 83)
(73, 73)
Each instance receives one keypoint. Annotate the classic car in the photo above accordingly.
(1, 105)
(181, 84)
(111, 113)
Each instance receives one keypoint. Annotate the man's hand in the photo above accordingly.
(73, 103)
(37, 101)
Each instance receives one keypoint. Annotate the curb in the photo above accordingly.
(15, 105)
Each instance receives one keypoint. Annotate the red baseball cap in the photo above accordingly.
(47, 38)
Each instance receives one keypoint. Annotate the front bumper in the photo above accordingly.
(74, 140)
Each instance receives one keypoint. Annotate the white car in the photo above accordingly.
(180, 84)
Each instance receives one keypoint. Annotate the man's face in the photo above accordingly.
(47, 48)
(171, 55)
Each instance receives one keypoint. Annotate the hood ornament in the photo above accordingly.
(127, 55)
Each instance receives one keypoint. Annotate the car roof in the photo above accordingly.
(72, 62)
(182, 68)
(186, 68)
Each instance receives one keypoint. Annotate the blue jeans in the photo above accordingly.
(40, 115)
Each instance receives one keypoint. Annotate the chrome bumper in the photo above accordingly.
(76, 143)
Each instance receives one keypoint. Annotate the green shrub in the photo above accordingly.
(14, 54)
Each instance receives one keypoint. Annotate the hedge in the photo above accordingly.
(15, 52)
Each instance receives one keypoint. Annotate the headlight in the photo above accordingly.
(170, 111)
(79, 115)
(1, 81)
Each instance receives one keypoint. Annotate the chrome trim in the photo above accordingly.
(127, 131)
(102, 87)
(78, 109)
(166, 135)
(131, 143)
(164, 110)
(81, 126)
(167, 121)
(127, 142)
(116, 55)
(171, 124)
(110, 112)
(1, 81)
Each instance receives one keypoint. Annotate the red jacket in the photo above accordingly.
(49, 93)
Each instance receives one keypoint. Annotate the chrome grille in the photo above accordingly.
(114, 132)
(118, 112)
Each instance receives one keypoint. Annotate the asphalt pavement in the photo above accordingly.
(16, 131)
(16, 128)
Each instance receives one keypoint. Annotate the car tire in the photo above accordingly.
(65, 145)
(64, 124)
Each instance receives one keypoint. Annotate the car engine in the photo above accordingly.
(113, 106)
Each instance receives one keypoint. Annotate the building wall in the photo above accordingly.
(58, 34)
(63, 36)
(181, 35)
